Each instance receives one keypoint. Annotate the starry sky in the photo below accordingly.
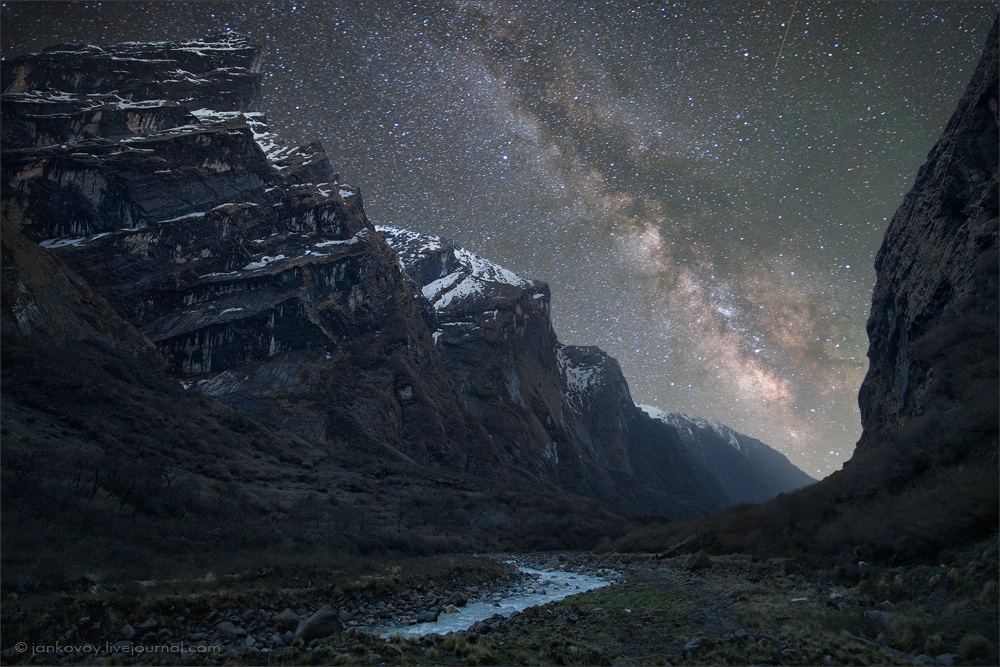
(703, 185)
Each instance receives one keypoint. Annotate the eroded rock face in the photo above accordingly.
(563, 414)
(933, 323)
(150, 170)
(42, 298)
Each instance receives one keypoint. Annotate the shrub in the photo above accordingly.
(974, 647)
(908, 629)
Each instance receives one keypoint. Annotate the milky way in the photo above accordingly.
(703, 186)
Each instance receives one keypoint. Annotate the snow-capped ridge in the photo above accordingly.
(474, 277)
(687, 423)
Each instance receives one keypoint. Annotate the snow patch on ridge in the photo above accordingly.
(474, 278)
(687, 424)
(578, 378)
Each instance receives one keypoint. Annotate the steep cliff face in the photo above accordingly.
(149, 169)
(42, 298)
(254, 272)
(559, 413)
(933, 323)
(564, 414)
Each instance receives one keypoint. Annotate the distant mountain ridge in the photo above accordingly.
(150, 171)
(748, 470)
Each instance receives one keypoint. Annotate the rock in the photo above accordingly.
(288, 637)
(427, 617)
(450, 609)
(698, 561)
(128, 632)
(878, 615)
(192, 229)
(946, 659)
(935, 301)
(148, 625)
(923, 659)
(323, 623)
(345, 616)
(229, 629)
(693, 645)
(286, 620)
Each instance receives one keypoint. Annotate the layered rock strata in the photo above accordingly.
(150, 170)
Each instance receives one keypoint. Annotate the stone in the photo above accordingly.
(345, 616)
(128, 632)
(698, 561)
(427, 617)
(878, 615)
(146, 626)
(947, 659)
(923, 659)
(323, 623)
(229, 629)
(450, 609)
(286, 620)
(693, 645)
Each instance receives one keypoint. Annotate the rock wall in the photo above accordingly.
(149, 169)
(933, 323)
(562, 413)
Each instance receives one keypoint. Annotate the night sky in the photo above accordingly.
(702, 185)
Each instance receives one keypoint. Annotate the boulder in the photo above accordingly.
(323, 623)
(148, 625)
(286, 620)
(698, 561)
(229, 629)
(427, 617)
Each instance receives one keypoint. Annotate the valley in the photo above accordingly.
(244, 424)
(691, 609)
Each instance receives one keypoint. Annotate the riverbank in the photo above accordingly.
(683, 610)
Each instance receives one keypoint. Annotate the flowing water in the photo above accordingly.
(542, 587)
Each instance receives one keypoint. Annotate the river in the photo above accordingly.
(540, 587)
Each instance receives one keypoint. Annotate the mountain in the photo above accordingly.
(150, 170)
(748, 470)
(933, 324)
(563, 413)
(148, 199)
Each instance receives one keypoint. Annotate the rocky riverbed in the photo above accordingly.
(685, 609)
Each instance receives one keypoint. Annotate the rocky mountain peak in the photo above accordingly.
(150, 170)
